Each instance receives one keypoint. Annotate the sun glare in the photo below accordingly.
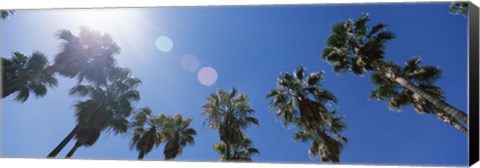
(106, 20)
(128, 27)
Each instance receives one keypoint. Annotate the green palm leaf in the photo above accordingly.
(231, 114)
(302, 102)
(23, 75)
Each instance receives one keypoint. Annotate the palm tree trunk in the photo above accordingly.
(387, 72)
(74, 148)
(64, 142)
(332, 154)
(227, 152)
(227, 142)
(449, 120)
(141, 155)
(455, 113)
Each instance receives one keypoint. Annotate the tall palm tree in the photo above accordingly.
(354, 47)
(423, 77)
(106, 108)
(301, 101)
(177, 134)
(326, 141)
(5, 14)
(147, 131)
(240, 152)
(231, 115)
(24, 75)
(90, 55)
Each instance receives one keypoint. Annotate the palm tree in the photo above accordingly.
(292, 98)
(328, 147)
(106, 108)
(145, 138)
(230, 114)
(459, 8)
(174, 131)
(86, 136)
(301, 101)
(355, 48)
(177, 134)
(5, 14)
(24, 75)
(423, 77)
(88, 56)
(240, 152)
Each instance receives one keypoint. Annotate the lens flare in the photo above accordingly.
(164, 43)
(190, 63)
(207, 76)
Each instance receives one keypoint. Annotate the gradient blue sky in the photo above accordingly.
(248, 46)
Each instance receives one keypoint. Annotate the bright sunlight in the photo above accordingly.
(115, 21)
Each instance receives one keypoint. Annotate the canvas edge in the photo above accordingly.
(473, 49)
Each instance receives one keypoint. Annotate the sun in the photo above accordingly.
(107, 20)
(129, 27)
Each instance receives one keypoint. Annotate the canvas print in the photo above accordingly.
(376, 84)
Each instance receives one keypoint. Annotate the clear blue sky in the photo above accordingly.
(248, 46)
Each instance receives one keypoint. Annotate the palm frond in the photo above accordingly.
(361, 26)
(314, 79)
(299, 72)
